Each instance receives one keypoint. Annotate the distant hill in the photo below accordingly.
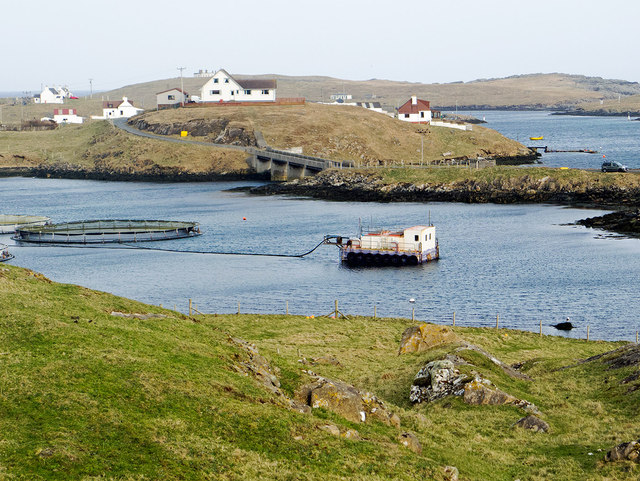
(533, 91)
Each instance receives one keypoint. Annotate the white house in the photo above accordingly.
(118, 109)
(52, 95)
(341, 96)
(66, 116)
(171, 98)
(415, 110)
(222, 87)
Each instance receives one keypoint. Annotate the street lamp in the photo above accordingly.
(422, 132)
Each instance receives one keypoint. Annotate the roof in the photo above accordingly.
(257, 84)
(409, 108)
(111, 104)
(171, 90)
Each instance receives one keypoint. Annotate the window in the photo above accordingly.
(215, 80)
(422, 115)
(265, 92)
(416, 238)
(232, 92)
(171, 97)
(406, 116)
(226, 80)
(247, 92)
(429, 236)
(214, 92)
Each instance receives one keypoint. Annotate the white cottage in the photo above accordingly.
(66, 116)
(415, 110)
(52, 95)
(118, 109)
(171, 98)
(222, 87)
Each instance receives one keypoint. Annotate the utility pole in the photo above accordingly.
(422, 132)
(181, 86)
(90, 88)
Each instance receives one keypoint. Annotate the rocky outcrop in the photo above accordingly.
(623, 222)
(624, 452)
(439, 379)
(219, 131)
(424, 337)
(346, 401)
(533, 423)
(410, 441)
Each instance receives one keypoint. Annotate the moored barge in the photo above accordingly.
(411, 246)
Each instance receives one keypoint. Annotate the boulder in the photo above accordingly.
(424, 337)
(436, 380)
(451, 473)
(256, 365)
(533, 423)
(330, 428)
(410, 441)
(480, 391)
(625, 451)
(347, 401)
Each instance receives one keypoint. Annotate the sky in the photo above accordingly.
(117, 42)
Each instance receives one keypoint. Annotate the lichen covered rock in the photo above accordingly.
(424, 337)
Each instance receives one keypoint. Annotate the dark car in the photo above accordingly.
(610, 166)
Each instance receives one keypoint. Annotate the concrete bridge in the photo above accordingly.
(285, 165)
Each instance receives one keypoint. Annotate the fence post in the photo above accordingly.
(636, 337)
(189, 307)
(454, 318)
(541, 327)
(375, 312)
(335, 314)
(287, 307)
(587, 332)
(413, 314)
(238, 308)
(497, 320)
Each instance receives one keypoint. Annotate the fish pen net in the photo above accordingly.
(9, 223)
(107, 231)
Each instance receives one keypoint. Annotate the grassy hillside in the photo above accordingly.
(100, 146)
(353, 133)
(534, 90)
(85, 394)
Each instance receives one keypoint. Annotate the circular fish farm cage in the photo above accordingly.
(107, 231)
(9, 223)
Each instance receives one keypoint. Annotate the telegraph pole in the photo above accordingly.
(181, 86)
(90, 88)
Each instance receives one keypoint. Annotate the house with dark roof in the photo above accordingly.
(415, 110)
(222, 87)
(171, 98)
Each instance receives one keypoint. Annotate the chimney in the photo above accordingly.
(414, 100)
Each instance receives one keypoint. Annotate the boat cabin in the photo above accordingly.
(419, 238)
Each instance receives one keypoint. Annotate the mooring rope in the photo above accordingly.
(159, 249)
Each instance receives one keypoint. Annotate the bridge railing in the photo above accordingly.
(315, 161)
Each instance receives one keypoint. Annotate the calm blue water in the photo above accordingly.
(521, 262)
(615, 137)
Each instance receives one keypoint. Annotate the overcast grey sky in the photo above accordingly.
(118, 42)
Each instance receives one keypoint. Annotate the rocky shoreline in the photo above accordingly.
(368, 188)
(154, 174)
(625, 222)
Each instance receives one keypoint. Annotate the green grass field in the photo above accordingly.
(87, 395)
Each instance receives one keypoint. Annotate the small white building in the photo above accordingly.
(415, 110)
(171, 98)
(117, 109)
(342, 96)
(222, 87)
(66, 116)
(52, 95)
(419, 238)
